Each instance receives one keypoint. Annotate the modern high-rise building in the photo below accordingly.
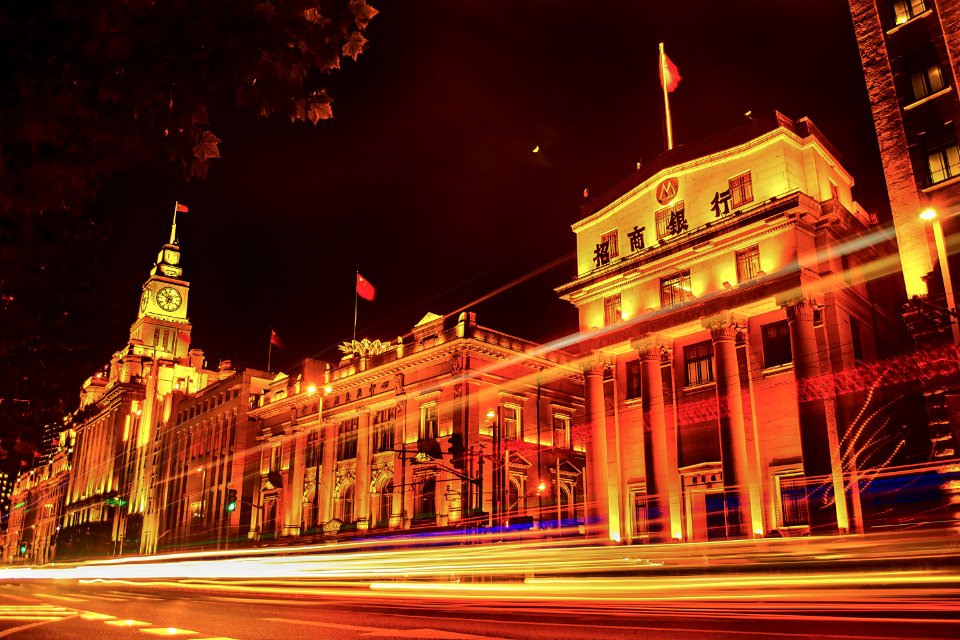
(724, 299)
(910, 50)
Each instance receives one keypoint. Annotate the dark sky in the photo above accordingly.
(425, 180)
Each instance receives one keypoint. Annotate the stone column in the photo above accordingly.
(598, 495)
(361, 505)
(329, 436)
(655, 424)
(294, 511)
(819, 440)
(399, 466)
(733, 435)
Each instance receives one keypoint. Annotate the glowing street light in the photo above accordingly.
(930, 215)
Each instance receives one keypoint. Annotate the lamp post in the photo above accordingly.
(930, 215)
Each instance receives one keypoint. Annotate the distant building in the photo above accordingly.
(452, 426)
(722, 289)
(910, 50)
(34, 522)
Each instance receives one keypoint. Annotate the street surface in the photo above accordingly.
(892, 586)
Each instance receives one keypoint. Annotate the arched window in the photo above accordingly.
(514, 505)
(426, 499)
(385, 505)
(345, 510)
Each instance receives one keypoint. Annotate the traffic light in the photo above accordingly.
(457, 450)
(231, 504)
(23, 548)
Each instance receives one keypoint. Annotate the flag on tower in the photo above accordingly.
(364, 289)
(182, 208)
(275, 340)
(669, 75)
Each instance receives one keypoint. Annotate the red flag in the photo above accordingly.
(182, 208)
(364, 289)
(183, 336)
(669, 75)
(275, 339)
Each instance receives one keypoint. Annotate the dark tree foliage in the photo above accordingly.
(90, 88)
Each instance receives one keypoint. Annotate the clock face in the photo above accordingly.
(169, 299)
(144, 300)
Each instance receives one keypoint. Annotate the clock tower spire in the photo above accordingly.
(162, 329)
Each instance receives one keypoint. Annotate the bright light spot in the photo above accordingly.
(328, 389)
(491, 414)
(541, 486)
(928, 214)
(536, 149)
(312, 389)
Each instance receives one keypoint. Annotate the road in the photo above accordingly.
(485, 611)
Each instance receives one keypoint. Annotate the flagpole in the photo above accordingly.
(270, 350)
(355, 304)
(173, 229)
(666, 99)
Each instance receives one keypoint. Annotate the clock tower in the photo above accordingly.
(162, 329)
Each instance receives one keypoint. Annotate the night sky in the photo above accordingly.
(425, 180)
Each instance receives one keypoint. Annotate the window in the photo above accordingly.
(383, 429)
(675, 289)
(347, 439)
(561, 431)
(345, 506)
(928, 80)
(385, 504)
(943, 157)
(426, 501)
(612, 313)
(611, 239)
(633, 379)
(428, 421)
(510, 422)
(275, 457)
(741, 190)
(671, 220)
(748, 264)
(855, 339)
(793, 500)
(698, 359)
(776, 344)
(640, 528)
(904, 10)
(314, 453)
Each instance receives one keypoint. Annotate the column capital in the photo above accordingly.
(799, 309)
(594, 364)
(650, 346)
(722, 326)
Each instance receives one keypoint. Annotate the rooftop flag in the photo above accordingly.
(364, 289)
(182, 208)
(669, 75)
(669, 79)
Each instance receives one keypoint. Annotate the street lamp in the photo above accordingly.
(930, 215)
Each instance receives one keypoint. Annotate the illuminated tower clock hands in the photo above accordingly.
(169, 299)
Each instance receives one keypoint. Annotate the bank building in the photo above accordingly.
(722, 291)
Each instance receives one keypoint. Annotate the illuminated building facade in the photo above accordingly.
(453, 425)
(721, 289)
(207, 453)
(37, 501)
(910, 51)
(121, 410)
